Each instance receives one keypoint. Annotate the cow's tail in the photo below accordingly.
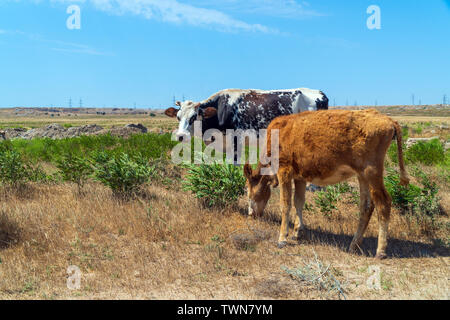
(404, 180)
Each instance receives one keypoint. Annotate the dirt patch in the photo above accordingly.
(56, 131)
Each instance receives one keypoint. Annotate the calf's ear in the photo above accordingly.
(171, 112)
(178, 103)
(248, 171)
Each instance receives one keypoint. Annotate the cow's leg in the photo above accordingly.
(366, 208)
(299, 202)
(382, 202)
(285, 205)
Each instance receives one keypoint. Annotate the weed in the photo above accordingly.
(215, 185)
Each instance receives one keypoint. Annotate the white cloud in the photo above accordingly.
(176, 12)
(278, 8)
(214, 14)
(56, 45)
(71, 47)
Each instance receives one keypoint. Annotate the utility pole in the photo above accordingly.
(70, 102)
(334, 102)
(135, 106)
(346, 102)
(376, 103)
(420, 102)
(445, 99)
(174, 100)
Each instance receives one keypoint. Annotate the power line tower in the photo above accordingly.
(413, 98)
(445, 99)
(174, 100)
(70, 102)
(81, 103)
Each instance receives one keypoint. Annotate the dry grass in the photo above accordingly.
(166, 246)
(107, 121)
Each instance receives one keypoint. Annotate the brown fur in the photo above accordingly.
(327, 147)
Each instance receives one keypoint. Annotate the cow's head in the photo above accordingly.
(188, 113)
(258, 189)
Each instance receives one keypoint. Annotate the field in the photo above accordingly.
(160, 242)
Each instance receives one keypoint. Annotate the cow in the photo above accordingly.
(325, 148)
(244, 109)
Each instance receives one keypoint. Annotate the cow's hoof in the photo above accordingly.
(381, 256)
(355, 248)
(281, 244)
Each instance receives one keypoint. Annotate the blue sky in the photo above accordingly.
(147, 51)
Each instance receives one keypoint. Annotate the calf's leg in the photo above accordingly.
(285, 205)
(382, 202)
(366, 208)
(299, 202)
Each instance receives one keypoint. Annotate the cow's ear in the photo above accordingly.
(178, 103)
(171, 112)
(209, 112)
(248, 171)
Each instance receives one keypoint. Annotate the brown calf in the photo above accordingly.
(325, 148)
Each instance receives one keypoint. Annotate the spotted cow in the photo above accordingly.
(244, 109)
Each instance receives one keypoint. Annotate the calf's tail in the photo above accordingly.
(404, 180)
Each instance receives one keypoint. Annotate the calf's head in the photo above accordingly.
(258, 189)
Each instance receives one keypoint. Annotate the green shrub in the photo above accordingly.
(413, 199)
(428, 201)
(13, 171)
(215, 185)
(428, 153)
(424, 152)
(402, 196)
(327, 199)
(74, 169)
(122, 174)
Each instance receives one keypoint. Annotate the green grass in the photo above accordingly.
(148, 145)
